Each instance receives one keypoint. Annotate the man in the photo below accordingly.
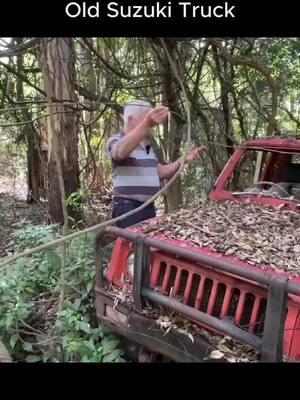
(136, 171)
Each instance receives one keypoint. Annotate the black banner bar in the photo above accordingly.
(194, 18)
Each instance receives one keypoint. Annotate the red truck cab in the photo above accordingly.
(218, 293)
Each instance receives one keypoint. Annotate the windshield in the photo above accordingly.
(267, 173)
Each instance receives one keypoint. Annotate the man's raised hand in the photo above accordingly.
(156, 116)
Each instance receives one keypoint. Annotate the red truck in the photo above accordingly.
(256, 306)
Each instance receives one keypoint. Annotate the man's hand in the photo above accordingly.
(194, 154)
(168, 170)
(156, 116)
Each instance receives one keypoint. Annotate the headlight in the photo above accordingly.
(130, 265)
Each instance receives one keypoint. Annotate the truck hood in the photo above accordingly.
(211, 252)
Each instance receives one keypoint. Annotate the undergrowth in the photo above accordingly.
(29, 292)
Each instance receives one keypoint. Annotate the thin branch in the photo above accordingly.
(32, 120)
(104, 62)
(12, 70)
(291, 116)
(264, 71)
(19, 49)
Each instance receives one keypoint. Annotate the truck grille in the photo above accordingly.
(214, 293)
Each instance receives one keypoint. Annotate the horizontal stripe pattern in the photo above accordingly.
(136, 180)
(132, 171)
(139, 197)
(133, 162)
(139, 154)
(136, 177)
(132, 190)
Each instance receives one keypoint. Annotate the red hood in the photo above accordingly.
(213, 253)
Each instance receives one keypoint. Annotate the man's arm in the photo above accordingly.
(126, 145)
(169, 170)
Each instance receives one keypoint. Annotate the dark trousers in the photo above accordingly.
(122, 206)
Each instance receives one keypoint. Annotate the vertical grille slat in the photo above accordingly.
(166, 279)
(212, 299)
(254, 315)
(188, 289)
(240, 308)
(177, 282)
(199, 294)
(226, 303)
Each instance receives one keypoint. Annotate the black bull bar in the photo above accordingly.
(270, 344)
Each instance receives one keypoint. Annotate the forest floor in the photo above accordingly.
(14, 208)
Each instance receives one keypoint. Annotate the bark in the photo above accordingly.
(172, 137)
(59, 73)
(35, 175)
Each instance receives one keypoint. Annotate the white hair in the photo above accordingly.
(135, 107)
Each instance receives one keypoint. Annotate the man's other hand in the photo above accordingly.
(194, 154)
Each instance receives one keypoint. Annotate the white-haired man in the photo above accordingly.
(136, 171)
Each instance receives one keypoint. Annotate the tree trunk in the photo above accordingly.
(35, 174)
(33, 167)
(172, 137)
(223, 76)
(173, 143)
(58, 59)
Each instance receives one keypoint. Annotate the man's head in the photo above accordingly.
(134, 112)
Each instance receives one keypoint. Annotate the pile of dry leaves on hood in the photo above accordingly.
(260, 235)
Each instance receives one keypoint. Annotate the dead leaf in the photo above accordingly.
(224, 349)
(216, 354)
(296, 248)
(230, 252)
(191, 337)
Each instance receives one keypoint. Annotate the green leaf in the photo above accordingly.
(9, 320)
(89, 346)
(27, 347)
(46, 356)
(33, 358)
(85, 327)
(113, 356)
(109, 345)
(89, 287)
(13, 340)
(76, 305)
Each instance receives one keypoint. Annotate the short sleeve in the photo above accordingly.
(111, 143)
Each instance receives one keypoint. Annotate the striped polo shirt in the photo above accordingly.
(135, 177)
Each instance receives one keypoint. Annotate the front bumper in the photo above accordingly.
(141, 329)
